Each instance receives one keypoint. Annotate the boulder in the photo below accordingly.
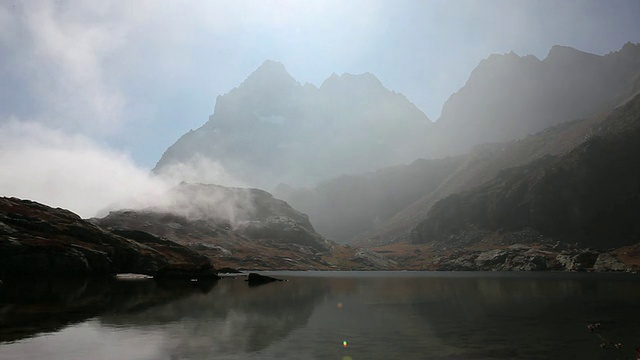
(492, 259)
(608, 262)
(255, 279)
(578, 261)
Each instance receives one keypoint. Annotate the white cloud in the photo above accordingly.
(72, 171)
(200, 169)
(68, 171)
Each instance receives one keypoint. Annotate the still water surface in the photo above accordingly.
(327, 315)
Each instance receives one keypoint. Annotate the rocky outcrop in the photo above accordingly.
(239, 228)
(37, 240)
(524, 258)
(515, 258)
(213, 218)
(609, 262)
(255, 279)
(284, 231)
(373, 260)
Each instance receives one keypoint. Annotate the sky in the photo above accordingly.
(93, 92)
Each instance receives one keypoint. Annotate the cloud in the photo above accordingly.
(68, 171)
(60, 55)
(199, 169)
(74, 172)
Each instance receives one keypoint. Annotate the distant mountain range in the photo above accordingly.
(271, 129)
(508, 97)
(385, 206)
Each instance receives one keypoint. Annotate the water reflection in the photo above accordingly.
(350, 315)
(32, 306)
(232, 319)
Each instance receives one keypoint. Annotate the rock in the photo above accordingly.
(129, 276)
(283, 230)
(255, 279)
(37, 240)
(491, 260)
(528, 261)
(580, 261)
(372, 259)
(608, 262)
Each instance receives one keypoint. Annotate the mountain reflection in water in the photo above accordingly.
(331, 315)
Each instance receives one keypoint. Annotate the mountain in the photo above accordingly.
(589, 196)
(40, 241)
(271, 129)
(508, 96)
(382, 207)
(348, 206)
(241, 228)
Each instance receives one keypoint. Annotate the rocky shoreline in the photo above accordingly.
(525, 258)
(39, 241)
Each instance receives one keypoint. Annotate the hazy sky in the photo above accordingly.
(125, 79)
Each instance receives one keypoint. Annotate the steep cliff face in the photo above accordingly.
(591, 195)
(37, 240)
(508, 96)
(272, 129)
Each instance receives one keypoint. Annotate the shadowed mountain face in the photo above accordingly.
(272, 129)
(508, 96)
(590, 195)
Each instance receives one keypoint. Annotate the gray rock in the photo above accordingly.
(608, 262)
(492, 259)
(580, 261)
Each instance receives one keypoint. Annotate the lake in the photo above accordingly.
(327, 315)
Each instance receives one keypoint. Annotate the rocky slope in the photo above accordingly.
(508, 96)
(243, 228)
(589, 196)
(271, 129)
(526, 250)
(37, 240)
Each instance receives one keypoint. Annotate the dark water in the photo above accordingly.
(380, 315)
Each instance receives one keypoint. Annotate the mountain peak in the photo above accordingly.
(272, 65)
(565, 53)
(270, 73)
(346, 80)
